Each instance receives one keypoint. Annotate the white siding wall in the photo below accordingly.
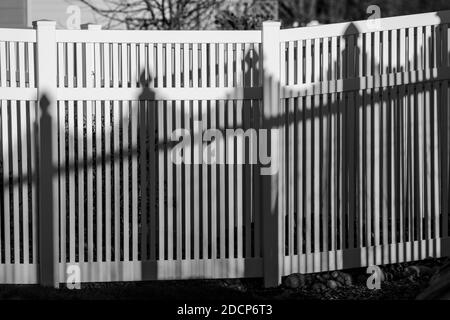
(13, 13)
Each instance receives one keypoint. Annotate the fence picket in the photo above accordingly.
(126, 118)
(107, 127)
(195, 182)
(71, 192)
(62, 179)
(81, 176)
(3, 66)
(213, 187)
(6, 190)
(170, 185)
(133, 149)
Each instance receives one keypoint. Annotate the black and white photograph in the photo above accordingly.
(227, 157)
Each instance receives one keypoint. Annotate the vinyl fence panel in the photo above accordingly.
(97, 117)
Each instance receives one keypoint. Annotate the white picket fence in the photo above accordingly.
(365, 140)
(86, 119)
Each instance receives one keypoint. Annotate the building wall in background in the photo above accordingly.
(57, 10)
(13, 13)
(22, 13)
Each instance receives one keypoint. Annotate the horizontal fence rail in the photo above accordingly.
(87, 120)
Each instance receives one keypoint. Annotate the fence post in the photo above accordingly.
(269, 182)
(48, 152)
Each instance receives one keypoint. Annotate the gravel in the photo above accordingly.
(402, 282)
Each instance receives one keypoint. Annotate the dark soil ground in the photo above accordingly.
(401, 282)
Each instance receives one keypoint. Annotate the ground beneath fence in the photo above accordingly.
(401, 281)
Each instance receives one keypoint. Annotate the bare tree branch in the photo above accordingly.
(153, 14)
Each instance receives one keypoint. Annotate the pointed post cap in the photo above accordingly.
(271, 23)
(44, 23)
(91, 26)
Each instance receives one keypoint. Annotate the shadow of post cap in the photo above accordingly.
(44, 103)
